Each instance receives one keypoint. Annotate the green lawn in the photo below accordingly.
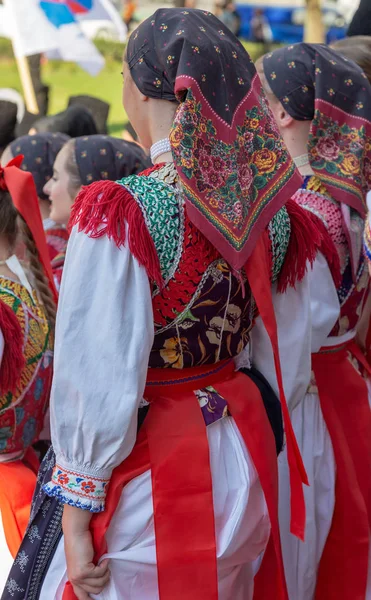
(67, 79)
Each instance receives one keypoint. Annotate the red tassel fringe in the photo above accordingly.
(308, 236)
(13, 360)
(104, 208)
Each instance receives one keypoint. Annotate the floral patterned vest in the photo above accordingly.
(314, 197)
(22, 412)
(205, 311)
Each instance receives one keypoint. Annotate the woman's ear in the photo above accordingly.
(284, 119)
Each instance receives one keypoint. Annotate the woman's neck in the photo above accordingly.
(166, 157)
(5, 250)
(44, 209)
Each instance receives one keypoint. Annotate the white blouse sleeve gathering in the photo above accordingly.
(305, 316)
(104, 335)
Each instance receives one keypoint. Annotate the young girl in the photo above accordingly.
(358, 49)
(322, 105)
(82, 161)
(27, 317)
(39, 153)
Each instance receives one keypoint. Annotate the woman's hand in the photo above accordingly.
(85, 577)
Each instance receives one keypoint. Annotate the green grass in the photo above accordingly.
(67, 79)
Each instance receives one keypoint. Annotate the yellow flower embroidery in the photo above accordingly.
(172, 352)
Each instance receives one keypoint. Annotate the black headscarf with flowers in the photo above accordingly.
(315, 83)
(233, 166)
(103, 157)
(39, 153)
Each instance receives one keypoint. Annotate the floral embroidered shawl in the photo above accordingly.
(315, 83)
(234, 168)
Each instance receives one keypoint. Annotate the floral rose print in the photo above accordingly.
(224, 173)
(265, 160)
(350, 165)
(327, 148)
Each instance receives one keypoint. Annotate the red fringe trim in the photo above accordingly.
(308, 236)
(13, 360)
(150, 170)
(104, 208)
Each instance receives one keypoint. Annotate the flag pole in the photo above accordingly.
(27, 85)
(314, 30)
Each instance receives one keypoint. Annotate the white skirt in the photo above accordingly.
(242, 528)
(301, 559)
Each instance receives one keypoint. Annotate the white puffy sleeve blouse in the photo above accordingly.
(104, 335)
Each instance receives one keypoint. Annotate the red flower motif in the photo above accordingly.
(205, 162)
(219, 164)
(214, 178)
(63, 479)
(327, 148)
(88, 486)
(245, 177)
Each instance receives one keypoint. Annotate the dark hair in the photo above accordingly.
(358, 49)
(11, 223)
(8, 219)
(71, 166)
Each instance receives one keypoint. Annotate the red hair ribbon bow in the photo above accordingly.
(21, 187)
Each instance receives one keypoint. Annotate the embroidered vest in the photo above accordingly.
(315, 198)
(22, 412)
(204, 312)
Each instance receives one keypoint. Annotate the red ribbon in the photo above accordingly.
(258, 274)
(15, 162)
(344, 402)
(173, 444)
(21, 187)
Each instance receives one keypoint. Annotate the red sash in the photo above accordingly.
(173, 444)
(344, 402)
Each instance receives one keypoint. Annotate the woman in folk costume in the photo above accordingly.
(39, 153)
(358, 49)
(82, 161)
(322, 104)
(27, 316)
(168, 270)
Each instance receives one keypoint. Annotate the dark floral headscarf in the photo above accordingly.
(315, 83)
(39, 153)
(233, 166)
(103, 157)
